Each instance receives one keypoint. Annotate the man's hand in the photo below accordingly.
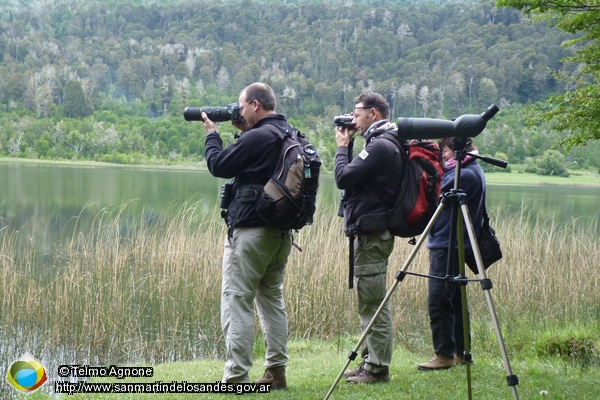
(208, 124)
(343, 136)
(239, 125)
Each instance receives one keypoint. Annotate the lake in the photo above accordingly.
(43, 199)
(61, 192)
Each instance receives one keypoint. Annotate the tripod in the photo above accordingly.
(458, 202)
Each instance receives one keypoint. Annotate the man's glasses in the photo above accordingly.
(244, 106)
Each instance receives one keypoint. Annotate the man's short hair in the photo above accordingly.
(376, 101)
(261, 92)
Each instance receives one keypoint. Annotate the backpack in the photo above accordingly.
(289, 197)
(421, 187)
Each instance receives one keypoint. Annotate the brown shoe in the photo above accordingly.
(365, 376)
(354, 372)
(275, 376)
(440, 361)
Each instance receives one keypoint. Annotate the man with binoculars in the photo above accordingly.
(371, 182)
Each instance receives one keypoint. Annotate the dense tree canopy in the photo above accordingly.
(108, 80)
(578, 110)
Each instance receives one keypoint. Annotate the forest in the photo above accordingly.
(109, 80)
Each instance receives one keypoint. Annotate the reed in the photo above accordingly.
(125, 287)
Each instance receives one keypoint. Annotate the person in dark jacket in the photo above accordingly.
(372, 179)
(255, 255)
(444, 298)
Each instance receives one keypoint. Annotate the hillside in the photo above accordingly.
(108, 81)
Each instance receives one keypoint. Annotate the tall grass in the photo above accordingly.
(123, 288)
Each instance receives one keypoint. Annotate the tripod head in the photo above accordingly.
(461, 142)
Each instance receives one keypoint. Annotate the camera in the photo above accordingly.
(343, 201)
(231, 112)
(225, 198)
(344, 121)
(226, 195)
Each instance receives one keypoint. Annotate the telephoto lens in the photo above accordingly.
(215, 114)
(230, 112)
(192, 114)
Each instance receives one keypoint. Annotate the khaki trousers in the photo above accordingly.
(254, 261)
(371, 253)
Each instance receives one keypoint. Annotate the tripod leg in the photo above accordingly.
(486, 285)
(399, 277)
(465, 309)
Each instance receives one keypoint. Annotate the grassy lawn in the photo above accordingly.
(314, 367)
(518, 177)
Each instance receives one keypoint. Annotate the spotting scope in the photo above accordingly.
(467, 125)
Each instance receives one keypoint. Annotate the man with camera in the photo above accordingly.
(371, 182)
(255, 255)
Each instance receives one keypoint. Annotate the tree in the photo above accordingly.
(41, 147)
(586, 157)
(129, 83)
(13, 89)
(75, 103)
(552, 162)
(424, 100)
(578, 110)
(43, 103)
(181, 71)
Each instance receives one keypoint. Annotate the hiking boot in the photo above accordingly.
(275, 376)
(440, 361)
(354, 372)
(365, 376)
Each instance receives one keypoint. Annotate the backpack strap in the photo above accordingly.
(391, 137)
(486, 218)
(402, 144)
(276, 131)
(282, 134)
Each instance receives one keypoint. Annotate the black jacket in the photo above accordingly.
(373, 177)
(250, 160)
